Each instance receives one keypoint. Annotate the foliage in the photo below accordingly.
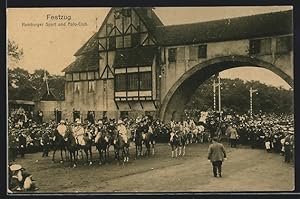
(235, 97)
(14, 52)
(25, 86)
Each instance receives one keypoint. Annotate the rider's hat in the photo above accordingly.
(62, 121)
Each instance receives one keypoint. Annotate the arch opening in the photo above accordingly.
(180, 93)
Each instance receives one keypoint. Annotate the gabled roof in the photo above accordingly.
(90, 46)
(87, 62)
(139, 56)
(150, 22)
(226, 29)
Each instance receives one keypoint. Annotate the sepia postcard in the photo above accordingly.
(150, 100)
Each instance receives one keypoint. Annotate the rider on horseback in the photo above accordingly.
(78, 132)
(122, 131)
(62, 128)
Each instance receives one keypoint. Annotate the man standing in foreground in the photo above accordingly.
(216, 155)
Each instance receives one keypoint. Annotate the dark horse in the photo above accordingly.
(182, 138)
(72, 147)
(149, 141)
(138, 140)
(58, 144)
(174, 142)
(102, 142)
(121, 146)
(87, 148)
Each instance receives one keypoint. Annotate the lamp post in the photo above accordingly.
(251, 93)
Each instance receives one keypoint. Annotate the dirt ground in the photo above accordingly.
(245, 170)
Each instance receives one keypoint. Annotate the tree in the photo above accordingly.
(14, 52)
(25, 86)
(235, 97)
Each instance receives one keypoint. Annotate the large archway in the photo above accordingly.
(175, 100)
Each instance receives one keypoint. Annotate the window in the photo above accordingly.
(112, 43)
(127, 41)
(265, 46)
(133, 81)
(136, 38)
(193, 53)
(284, 44)
(123, 114)
(68, 76)
(145, 81)
(254, 47)
(97, 74)
(172, 54)
(120, 82)
(75, 76)
(91, 85)
(91, 75)
(202, 51)
(180, 54)
(91, 116)
(119, 41)
(76, 86)
(83, 76)
(76, 115)
(126, 12)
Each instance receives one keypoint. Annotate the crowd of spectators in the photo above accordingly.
(272, 132)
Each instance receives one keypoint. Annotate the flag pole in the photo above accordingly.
(46, 80)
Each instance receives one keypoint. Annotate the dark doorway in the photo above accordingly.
(76, 114)
(57, 116)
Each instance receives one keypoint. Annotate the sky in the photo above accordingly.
(53, 47)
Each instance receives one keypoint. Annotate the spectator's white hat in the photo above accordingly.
(99, 122)
(291, 129)
(15, 167)
(120, 122)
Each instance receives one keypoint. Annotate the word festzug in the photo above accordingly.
(58, 17)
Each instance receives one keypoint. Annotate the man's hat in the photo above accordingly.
(62, 121)
(15, 167)
(120, 122)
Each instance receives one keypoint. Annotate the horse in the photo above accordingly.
(199, 135)
(138, 140)
(182, 138)
(58, 144)
(87, 148)
(174, 142)
(72, 147)
(121, 146)
(149, 141)
(102, 145)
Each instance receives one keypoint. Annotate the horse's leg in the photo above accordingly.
(183, 153)
(91, 155)
(100, 160)
(172, 148)
(176, 150)
(53, 155)
(86, 154)
(61, 155)
(75, 163)
(136, 151)
(71, 159)
(127, 153)
(179, 150)
(153, 151)
(148, 148)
